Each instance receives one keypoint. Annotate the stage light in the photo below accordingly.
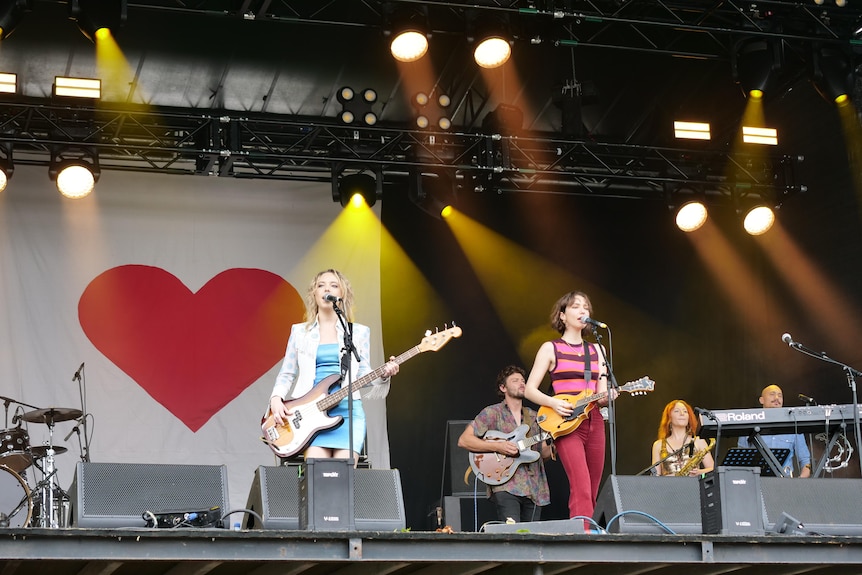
(67, 87)
(356, 186)
(691, 216)
(755, 63)
(758, 220)
(11, 12)
(764, 136)
(75, 169)
(691, 130)
(92, 16)
(426, 111)
(832, 73)
(504, 119)
(8, 83)
(490, 33)
(433, 191)
(408, 27)
(355, 106)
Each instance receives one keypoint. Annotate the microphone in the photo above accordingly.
(68, 435)
(802, 396)
(595, 322)
(77, 376)
(16, 418)
(705, 412)
(332, 298)
(691, 448)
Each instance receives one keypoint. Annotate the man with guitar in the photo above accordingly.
(577, 372)
(507, 448)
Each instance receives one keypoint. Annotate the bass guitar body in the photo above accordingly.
(305, 422)
(557, 425)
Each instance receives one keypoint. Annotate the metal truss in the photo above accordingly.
(178, 141)
(704, 29)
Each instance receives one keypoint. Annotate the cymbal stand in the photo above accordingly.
(47, 517)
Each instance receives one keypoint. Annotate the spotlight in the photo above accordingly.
(75, 169)
(356, 187)
(493, 41)
(8, 83)
(691, 216)
(756, 62)
(95, 15)
(758, 220)
(409, 30)
(756, 135)
(832, 73)
(504, 119)
(438, 111)
(433, 191)
(66, 87)
(355, 106)
(11, 12)
(691, 130)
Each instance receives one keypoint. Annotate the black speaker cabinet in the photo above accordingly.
(674, 501)
(730, 501)
(378, 502)
(325, 497)
(111, 495)
(828, 506)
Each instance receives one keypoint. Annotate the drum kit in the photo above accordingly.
(45, 504)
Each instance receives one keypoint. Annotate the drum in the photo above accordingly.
(15, 449)
(16, 507)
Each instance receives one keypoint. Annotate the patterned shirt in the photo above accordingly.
(568, 373)
(529, 479)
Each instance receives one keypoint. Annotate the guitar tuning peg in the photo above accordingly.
(427, 333)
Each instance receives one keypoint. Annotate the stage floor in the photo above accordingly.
(262, 552)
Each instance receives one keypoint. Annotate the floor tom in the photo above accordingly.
(15, 449)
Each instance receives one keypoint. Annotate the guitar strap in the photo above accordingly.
(587, 373)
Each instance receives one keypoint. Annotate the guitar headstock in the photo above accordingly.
(639, 386)
(435, 340)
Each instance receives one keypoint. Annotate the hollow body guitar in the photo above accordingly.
(582, 404)
(496, 468)
(308, 414)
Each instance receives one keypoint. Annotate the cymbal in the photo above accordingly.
(51, 415)
(41, 451)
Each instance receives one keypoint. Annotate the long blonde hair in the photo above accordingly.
(311, 307)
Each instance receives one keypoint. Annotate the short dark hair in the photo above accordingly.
(504, 375)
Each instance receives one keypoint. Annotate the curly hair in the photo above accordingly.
(664, 428)
(561, 305)
(504, 375)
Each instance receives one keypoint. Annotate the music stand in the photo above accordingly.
(752, 457)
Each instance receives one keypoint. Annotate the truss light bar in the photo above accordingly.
(78, 87)
(765, 136)
(8, 83)
(691, 130)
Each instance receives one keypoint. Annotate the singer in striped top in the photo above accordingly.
(574, 365)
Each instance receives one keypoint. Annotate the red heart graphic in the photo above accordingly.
(192, 352)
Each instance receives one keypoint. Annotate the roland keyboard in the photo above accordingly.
(774, 420)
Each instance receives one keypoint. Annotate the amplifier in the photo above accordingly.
(326, 495)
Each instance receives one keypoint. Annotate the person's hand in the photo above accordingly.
(506, 448)
(562, 407)
(278, 410)
(391, 367)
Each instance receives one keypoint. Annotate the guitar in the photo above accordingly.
(583, 403)
(309, 412)
(496, 468)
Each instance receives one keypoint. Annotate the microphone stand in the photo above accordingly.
(851, 375)
(82, 392)
(612, 384)
(347, 375)
(711, 415)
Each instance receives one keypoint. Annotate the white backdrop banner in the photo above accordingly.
(176, 293)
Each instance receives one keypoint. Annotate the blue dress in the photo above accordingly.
(328, 363)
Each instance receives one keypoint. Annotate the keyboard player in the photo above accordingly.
(800, 457)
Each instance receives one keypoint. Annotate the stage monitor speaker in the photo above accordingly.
(112, 495)
(468, 513)
(325, 497)
(822, 505)
(730, 501)
(378, 501)
(456, 463)
(674, 501)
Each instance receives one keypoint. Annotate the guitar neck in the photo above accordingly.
(335, 398)
(531, 441)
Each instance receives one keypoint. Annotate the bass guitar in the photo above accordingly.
(582, 404)
(308, 414)
(496, 468)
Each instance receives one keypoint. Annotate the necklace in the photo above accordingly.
(574, 347)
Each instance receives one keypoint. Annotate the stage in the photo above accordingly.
(260, 552)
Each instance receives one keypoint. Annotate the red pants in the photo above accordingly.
(582, 453)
